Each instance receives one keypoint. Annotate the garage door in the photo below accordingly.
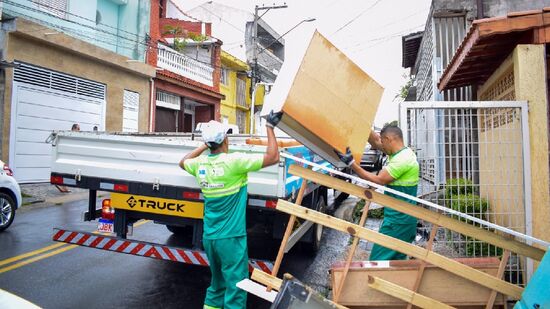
(42, 101)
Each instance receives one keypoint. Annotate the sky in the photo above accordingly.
(368, 31)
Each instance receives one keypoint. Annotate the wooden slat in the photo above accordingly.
(351, 253)
(501, 267)
(266, 279)
(422, 267)
(405, 294)
(403, 247)
(420, 213)
(288, 231)
(269, 280)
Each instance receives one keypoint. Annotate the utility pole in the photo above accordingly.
(255, 76)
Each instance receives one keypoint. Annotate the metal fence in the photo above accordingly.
(474, 158)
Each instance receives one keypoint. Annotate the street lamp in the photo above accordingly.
(255, 84)
(277, 39)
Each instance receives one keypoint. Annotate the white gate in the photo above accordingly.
(43, 101)
(474, 157)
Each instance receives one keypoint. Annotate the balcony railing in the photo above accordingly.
(185, 66)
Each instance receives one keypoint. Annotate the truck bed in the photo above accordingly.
(153, 158)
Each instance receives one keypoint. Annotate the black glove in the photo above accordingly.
(346, 158)
(273, 118)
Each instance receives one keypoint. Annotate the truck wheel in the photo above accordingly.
(7, 211)
(317, 229)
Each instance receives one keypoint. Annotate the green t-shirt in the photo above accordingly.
(403, 168)
(223, 179)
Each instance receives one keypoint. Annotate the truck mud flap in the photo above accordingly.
(145, 249)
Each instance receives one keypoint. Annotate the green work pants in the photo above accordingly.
(404, 232)
(228, 258)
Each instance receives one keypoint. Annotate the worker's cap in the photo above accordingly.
(214, 132)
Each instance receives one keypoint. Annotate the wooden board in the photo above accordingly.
(419, 212)
(407, 295)
(437, 283)
(328, 101)
(403, 247)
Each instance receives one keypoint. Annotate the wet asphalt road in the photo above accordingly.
(79, 277)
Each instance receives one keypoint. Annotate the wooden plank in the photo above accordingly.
(288, 231)
(269, 280)
(437, 283)
(404, 294)
(403, 247)
(420, 213)
(501, 267)
(266, 279)
(420, 273)
(351, 253)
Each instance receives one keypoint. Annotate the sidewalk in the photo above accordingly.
(46, 193)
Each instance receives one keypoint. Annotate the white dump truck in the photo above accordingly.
(141, 173)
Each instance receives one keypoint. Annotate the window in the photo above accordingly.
(241, 120)
(224, 79)
(130, 113)
(241, 92)
(54, 7)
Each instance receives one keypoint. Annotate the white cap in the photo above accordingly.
(214, 132)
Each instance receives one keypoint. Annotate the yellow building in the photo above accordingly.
(235, 85)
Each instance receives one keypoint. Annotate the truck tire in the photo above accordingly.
(314, 245)
(7, 210)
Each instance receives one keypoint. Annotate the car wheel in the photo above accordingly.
(7, 211)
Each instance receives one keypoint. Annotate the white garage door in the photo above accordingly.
(42, 101)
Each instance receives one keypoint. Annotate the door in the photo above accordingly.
(43, 101)
(166, 120)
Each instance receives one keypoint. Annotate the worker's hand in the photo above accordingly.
(273, 118)
(346, 158)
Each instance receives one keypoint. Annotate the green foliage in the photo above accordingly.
(470, 204)
(456, 186)
(197, 37)
(377, 213)
(478, 248)
(394, 123)
(404, 90)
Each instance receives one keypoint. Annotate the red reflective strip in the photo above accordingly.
(96, 241)
(123, 246)
(121, 188)
(137, 248)
(193, 195)
(109, 244)
(263, 267)
(71, 237)
(58, 235)
(169, 253)
(152, 252)
(184, 256)
(198, 256)
(56, 180)
(271, 204)
(83, 239)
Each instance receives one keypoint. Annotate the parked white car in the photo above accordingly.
(10, 196)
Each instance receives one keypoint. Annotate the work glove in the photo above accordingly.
(346, 158)
(273, 118)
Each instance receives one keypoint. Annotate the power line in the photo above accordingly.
(356, 17)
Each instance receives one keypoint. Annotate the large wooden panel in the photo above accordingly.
(329, 102)
(436, 283)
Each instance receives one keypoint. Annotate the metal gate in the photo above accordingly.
(474, 158)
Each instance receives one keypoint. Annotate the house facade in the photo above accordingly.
(66, 62)
(187, 58)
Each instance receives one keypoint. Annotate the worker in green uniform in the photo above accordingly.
(223, 178)
(400, 174)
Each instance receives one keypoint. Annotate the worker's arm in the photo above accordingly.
(271, 155)
(383, 177)
(193, 154)
(375, 141)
